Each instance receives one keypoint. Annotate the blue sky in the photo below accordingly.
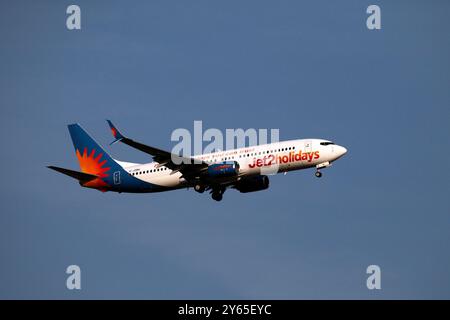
(311, 69)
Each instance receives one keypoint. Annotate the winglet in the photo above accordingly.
(116, 133)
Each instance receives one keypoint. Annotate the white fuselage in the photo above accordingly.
(263, 159)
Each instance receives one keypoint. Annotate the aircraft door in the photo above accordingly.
(307, 146)
(116, 177)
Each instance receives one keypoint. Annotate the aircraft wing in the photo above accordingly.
(189, 167)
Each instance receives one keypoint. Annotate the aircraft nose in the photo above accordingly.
(341, 151)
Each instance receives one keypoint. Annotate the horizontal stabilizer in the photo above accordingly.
(82, 177)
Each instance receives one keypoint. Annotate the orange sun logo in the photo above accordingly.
(91, 165)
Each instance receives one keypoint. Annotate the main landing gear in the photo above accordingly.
(318, 174)
(217, 194)
(199, 188)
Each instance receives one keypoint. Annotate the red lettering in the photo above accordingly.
(271, 158)
(259, 163)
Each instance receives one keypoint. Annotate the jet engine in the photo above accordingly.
(223, 169)
(252, 184)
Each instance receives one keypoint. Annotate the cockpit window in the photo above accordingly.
(326, 143)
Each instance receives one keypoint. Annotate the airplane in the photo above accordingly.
(244, 169)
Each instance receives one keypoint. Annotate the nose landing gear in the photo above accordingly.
(322, 165)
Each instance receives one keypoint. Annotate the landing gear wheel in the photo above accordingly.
(217, 196)
(199, 188)
(318, 174)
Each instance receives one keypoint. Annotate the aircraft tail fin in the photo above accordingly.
(93, 159)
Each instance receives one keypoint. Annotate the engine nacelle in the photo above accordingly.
(252, 184)
(223, 169)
